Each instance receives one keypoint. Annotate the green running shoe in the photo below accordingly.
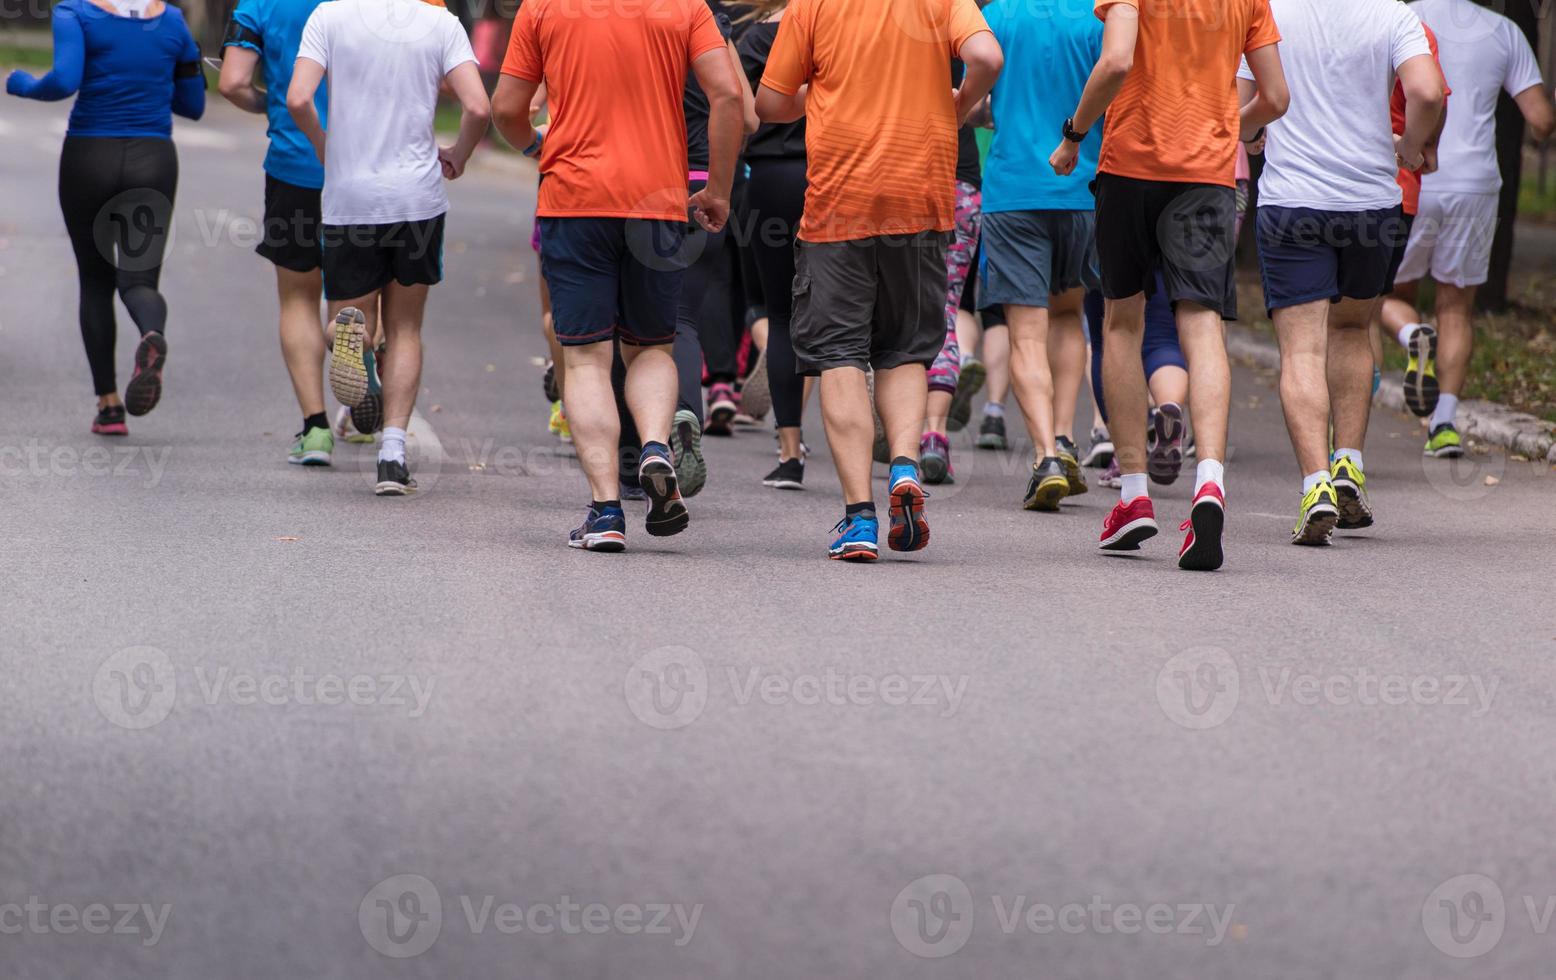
(691, 468)
(312, 448)
(1444, 442)
(1350, 487)
(1320, 513)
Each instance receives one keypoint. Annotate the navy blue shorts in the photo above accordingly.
(615, 277)
(1307, 255)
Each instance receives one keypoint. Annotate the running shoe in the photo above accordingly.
(858, 538)
(788, 475)
(934, 452)
(1112, 477)
(1165, 461)
(722, 407)
(991, 432)
(667, 513)
(602, 530)
(968, 384)
(110, 421)
(909, 528)
(558, 423)
(347, 432)
(1350, 490)
(1319, 514)
(348, 360)
(1128, 525)
(145, 388)
(1047, 487)
(632, 491)
(1072, 466)
(691, 469)
(312, 448)
(1100, 454)
(548, 382)
(369, 415)
(1421, 389)
(394, 479)
(756, 395)
(1444, 442)
(1201, 551)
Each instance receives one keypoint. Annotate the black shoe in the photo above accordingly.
(789, 475)
(368, 417)
(1047, 487)
(110, 421)
(394, 480)
(1069, 459)
(991, 433)
(548, 382)
(145, 388)
(666, 511)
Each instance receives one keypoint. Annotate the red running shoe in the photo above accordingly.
(1201, 551)
(1128, 525)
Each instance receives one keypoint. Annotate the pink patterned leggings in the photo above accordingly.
(947, 369)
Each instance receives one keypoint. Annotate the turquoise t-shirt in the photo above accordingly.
(274, 28)
(1050, 49)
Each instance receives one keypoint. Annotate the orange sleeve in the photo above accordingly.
(1431, 40)
(966, 20)
(523, 59)
(789, 63)
(1262, 31)
(705, 33)
(1103, 6)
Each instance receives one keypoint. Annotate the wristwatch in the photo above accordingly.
(1256, 136)
(533, 150)
(1070, 133)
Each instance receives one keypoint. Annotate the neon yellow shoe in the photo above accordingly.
(558, 423)
(1421, 389)
(1350, 488)
(1444, 442)
(1320, 512)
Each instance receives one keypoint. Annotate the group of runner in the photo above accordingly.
(737, 198)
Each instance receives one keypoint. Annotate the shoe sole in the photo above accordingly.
(968, 383)
(667, 514)
(783, 484)
(1131, 535)
(1447, 452)
(1072, 473)
(609, 542)
(1421, 388)
(691, 466)
(1354, 512)
(314, 458)
(117, 429)
(720, 419)
(756, 398)
(992, 442)
(855, 553)
(909, 527)
(368, 417)
(1319, 527)
(1208, 520)
(1048, 494)
(145, 388)
(1099, 457)
(936, 469)
(1166, 459)
(389, 488)
(348, 367)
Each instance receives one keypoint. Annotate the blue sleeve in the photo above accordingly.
(188, 78)
(69, 59)
(245, 30)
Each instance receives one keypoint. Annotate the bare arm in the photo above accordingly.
(747, 99)
(1119, 33)
(717, 76)
(984, 60)
(1271, 96)
(237, 78)
(511, 111)
(1423, 85)
(475, 118)
(775, 107)
(1535, 103)
(306, 76)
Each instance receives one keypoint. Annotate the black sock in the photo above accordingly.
(852, 510)
(904, 461)
(601, 505)
(656, 449)
(318, 420)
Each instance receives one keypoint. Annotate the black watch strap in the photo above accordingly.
(1070, 133)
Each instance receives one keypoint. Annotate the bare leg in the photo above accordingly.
(302, 341)
(996, 361)
(1349, 370)
(1169, 384)
(1202, 334)
(900, 397)
(1455, 336)
(937, 407)
(1066, 358)
(845, 411)
(1123, 380)
(591, 413)
(653, 389)
(1030, 375)
(1304, 385)
(400, 373)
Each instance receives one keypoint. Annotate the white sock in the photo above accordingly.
(393, 447)
(1132, 485)
(1355, 454)
(1210, 471)
(1447, 407)
(995, 409)
(1406, 331)
(1314, 479)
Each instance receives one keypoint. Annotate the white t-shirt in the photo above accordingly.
(1333, 150)
(1483, 53)
(385, 59)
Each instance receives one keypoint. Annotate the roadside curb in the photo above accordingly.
(1489, 422)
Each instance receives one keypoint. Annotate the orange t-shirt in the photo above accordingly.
(880, 123)
(1409, 180)
(1176, 118)
(617, 143)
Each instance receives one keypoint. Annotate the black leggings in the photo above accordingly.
(116, 194)
(775, 200)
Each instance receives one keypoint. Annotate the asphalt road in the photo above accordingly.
(240, 699)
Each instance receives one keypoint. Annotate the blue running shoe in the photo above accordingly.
(602, 530)
(858, 542)
(909, 528)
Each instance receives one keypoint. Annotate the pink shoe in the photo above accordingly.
(1201, 551)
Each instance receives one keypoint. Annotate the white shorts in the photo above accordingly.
(1451, 239)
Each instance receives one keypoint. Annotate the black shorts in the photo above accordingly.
(1398, 259)
(290, 235)
(362, 259)
(1307, 255)
(873, 302)
(1186, 232)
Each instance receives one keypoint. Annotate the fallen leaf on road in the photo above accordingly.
(490, 368)
(437, 408)
(1492, 481)
(477, 467)
(287, 538)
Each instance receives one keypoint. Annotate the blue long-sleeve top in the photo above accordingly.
(131, 73)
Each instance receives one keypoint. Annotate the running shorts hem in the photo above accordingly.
(359, 260)
(289, 234)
